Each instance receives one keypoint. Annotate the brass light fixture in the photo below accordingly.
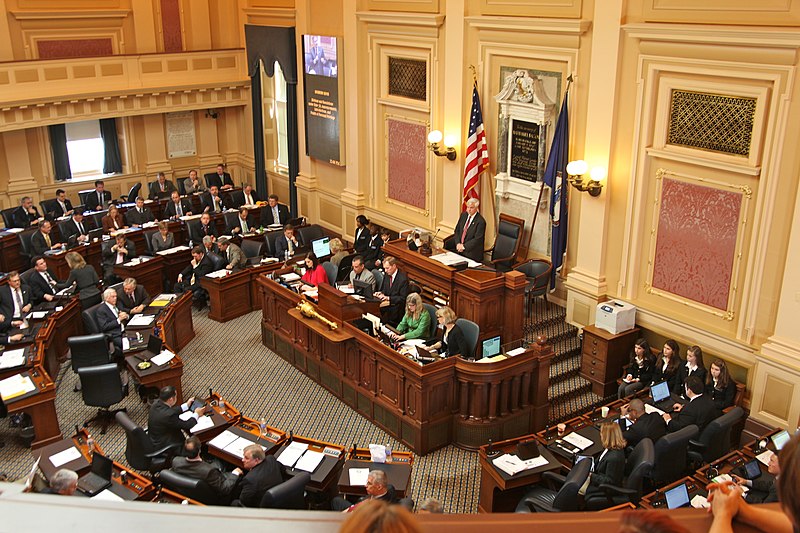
(435, 137)
(593, 185)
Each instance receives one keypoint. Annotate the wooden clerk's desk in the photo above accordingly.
(397, 470)
(147, 273)
(235, 295)
(91, 253)
(425, 407)
(249, 429)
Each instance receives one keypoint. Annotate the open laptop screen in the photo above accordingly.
(677, 497)
(660, 391)
(491, 347)
(780, 439)
(321, 247)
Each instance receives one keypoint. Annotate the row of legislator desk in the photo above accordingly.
(426, 407)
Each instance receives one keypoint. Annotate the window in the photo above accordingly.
(85, 148)
(280, 118)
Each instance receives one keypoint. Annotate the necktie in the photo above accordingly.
(100, 199)
(162, 186)
(216, 203)
(47, 239)
(466, 227)
(250, 200)
(80, 228)
(391, 279)
(244, 225)
(63, 207)
(178, 209)
(291, 246)
(275, 216)
(140, 211)
(205, 230)
(18, 298)
(49, 278)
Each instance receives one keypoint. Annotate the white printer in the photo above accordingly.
(615, 316)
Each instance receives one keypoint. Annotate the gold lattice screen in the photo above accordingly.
(711, 122)
(408, 78)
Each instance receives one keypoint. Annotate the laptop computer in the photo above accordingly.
(99, 478)
(154, 344)
(677, 497)
(662, 397)
(780, 439)
(425, 355)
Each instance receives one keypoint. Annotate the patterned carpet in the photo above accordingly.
(231, 359)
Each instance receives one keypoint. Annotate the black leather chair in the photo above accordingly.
(269, 242)
(230, 219)
(212, 178)
(25, 244)
(345, 267)
(101, 387)
(83, 195)
(148, 239)
(307, 234)
(180, 183)
(88, 350)
(25, 277)
(537, 272)
(638, 467)
(90, 320)
(139, 449)
(507, 242)
(288, 495)
(252, 249)
(671, 452)
(133, 193)
(542, 499)
(332, 271)
(49, 208)
(191, 229)
(715, 440)
(471, 332)
(6, 214)
(431, 309)
(218, 261)
(196, 489)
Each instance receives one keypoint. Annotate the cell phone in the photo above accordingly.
(196, 404)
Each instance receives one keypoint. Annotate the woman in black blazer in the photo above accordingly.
(362, 235)
(693, 367)
(667, 363)
(84, 277)
(720, 386)
(610, 466)
(453, 341)
(639, 372)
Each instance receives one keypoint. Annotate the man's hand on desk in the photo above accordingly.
(200, 410)
(380, 296)
(26, 309)
(137, 309)
(677, 408)
(666, 417)
(16, 338)
(123, 315)
(48, 297)
(237, 471)
(460, 247)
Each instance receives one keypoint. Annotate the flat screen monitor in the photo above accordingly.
(677, 497)
(660, 391)
(780, 439)
(491, 347)
(321, 247)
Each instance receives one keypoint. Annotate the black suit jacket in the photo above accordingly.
(108, 323)
(373, 251)
(155, 190)
(207, 202)
(39, 286)
(649, 425)
(199, 231)
(7, 300)
(765, 490)
(205, 266)
(282, 245)
(110, 257)
(57, 211)
(259, 480)
(362, 238)
(682, 374)
(722, 397)
(699, 411)
(21, 218)
(93, 202)
(222, 483)
(213, 178)
(473, 243)
(125, 303)
(164, 424)
(251, 224)
(397, 293)
(170, 210)
(38, 244)
(134, 218)
(610, 469)
(268, 218)
(456, 343)
(69, 228)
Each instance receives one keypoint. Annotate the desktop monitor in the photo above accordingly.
(677, 497)
(362, 288)
(491, 347)
(780, 439)
(321, 247)
(660, 391)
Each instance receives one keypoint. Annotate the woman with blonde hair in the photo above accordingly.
(416, 323)
(85, 279)
(337, 251)
(610, 466)
(453, 341)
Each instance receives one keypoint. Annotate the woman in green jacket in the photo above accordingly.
(416, 323)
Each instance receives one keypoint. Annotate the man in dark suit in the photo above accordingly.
(189, 279)
(193, 466)
(15, 299)
(469, 234)
(176, 207)
(220, 178)
(41, 242)
(42, 282)
(98, 199)
(243, 223)
(26, 215)
(644, 425)
(393, 292)
(377, 488)
(120, 252)
(274, 212)
(164, 424)
(206, 228)
(132, 297)
(764, 488)
(161, 187)
(62, 206)
(264, 472)
(249, 195)
(211, 201)
(139, 215)
(286, 243)
(111, 319)
(700, 410)
(75, 226)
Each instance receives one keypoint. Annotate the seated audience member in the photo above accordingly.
(163, 239)
(177, 207)
(84, 277)
(193, 466)
(26, 215)
(211, 201)
(416, 323)
(75, 226)
(243, 223)
(113, 220)
(210, 245)
(639, 372)
(610, 465)
(644, 425)
(648, 522)
(220, 178)
(192, 184)
(41, 241)
(120, 252)
(720, 386)
(139, 215)
(468, 236)
(161, 187)
(693, 367)
(727, 503)
(361, 273)
(164, 424)
(376, 516)
(274, 212)
(263, 473)
(64, 482)
(337, 252)
(377, 489)
(763, 489)
(700, 410)
(430, 506)
(361, 242)
(393, 292)
(63, 207)
(386, 236)
(206, 228)
(15, 298)
(132, 297)
(98, 199)
(233, 254)
(315, 273)
(666, 365)
(372, 255)
(452, 341)
(189, 279)
(249, 195)
(111, 319)
(42, 282)
(286, 244)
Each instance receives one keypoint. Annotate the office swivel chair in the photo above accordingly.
(87, 351)
(471, 332)
(139, 449)
(332, 271)
(345, 267)
(507, 243)
(307, 234)
(102, 387)
(715, 439)
(548, 500)
(671, 451)
(196, 489)
(90, 318)
(537, 272)
(288, 495)
(431, 309)
(253, 251)
(638, 466)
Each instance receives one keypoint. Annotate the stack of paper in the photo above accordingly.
(652, 409)
(218, 273)
(579, 441)
(291, 276)
(511, 464)
(222, 440)
(516, 351)
(292, 453)
(358, 476)
(231, 443)
(163, 358)
(12, 358)
(310, 461)
(16, 386)
(162, 300)
(107, 496)
(204, 422)
(141, 320)
(170, 251)
(765, 457)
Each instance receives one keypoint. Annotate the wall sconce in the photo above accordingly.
(435, 137)
(575, 172)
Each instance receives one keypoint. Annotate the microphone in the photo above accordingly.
(435, 234)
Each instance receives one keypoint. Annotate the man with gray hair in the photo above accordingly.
(377, 488)
(467, 240)
(132, 297)
(25, 215)
(64, 482)
(111, 319)
(232, 254)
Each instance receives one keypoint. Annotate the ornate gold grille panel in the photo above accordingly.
(408, 78)
(711, 122)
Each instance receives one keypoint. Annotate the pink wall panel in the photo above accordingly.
(408, 150)
(171, 24)
(696, 244)
(64, 48)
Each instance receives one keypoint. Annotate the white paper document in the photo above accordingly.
(358, 476)
(12, 358)
(141, 320)
(218, 273)
(292, 453)
(16, 386)
(652, 409)
(451, 258)
(204, 422)
(291, 276)
(170, 251)
(579, 441)
(237, 447)
(64, 457)
(377, 453)
(516, 351)
(511, 464)
(107, 496)
(310, 461)
(700, 502)
(222, 440)
(346, 289)
(764, 457)
(38, 315)
(163, 358)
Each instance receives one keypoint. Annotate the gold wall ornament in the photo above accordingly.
(307, 310)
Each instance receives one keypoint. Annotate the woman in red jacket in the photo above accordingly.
(315, 274)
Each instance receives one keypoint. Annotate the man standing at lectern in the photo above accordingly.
(468, 237)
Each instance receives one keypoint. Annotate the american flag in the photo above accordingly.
(477, 152)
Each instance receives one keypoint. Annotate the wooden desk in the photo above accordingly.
(249, 429)
(91, 253)
(10, 258)
(657, 500)
(232, 296)
(222, 420)
(157, 376)
(327, 472)
(174, 263)
(175, 322)
(397, 474)
(60, 325)
(148, 273)
(40, 406)
(164, 495)
(725, 465)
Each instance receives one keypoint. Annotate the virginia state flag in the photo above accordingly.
(555, 177)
